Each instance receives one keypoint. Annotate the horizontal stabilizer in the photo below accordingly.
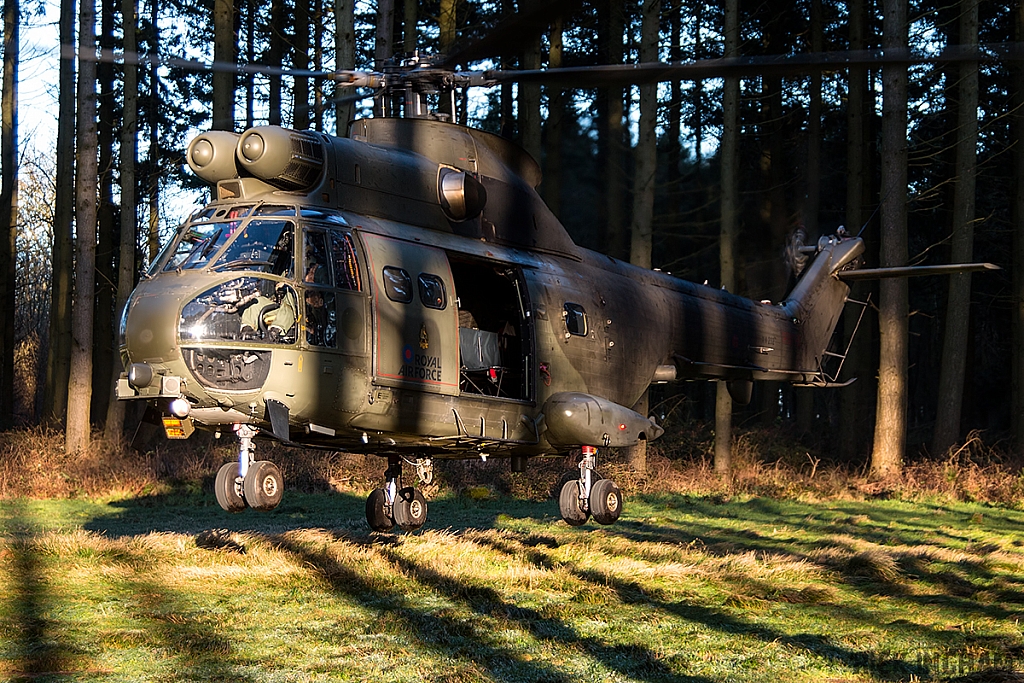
(913, 271)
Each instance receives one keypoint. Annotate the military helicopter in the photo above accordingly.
(405, 292)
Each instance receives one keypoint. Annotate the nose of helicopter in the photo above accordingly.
(150, 327)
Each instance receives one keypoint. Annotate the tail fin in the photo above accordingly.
(817, 301)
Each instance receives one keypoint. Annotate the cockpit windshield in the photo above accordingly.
(195, 245)
(263, 245)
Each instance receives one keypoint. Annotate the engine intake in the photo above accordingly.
(289, 159)
(211, 156)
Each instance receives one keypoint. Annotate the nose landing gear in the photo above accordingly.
(405, 507)
(589, 495)
(248, 482)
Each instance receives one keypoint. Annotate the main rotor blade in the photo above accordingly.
(509, 35)
(622, 75)
(138, 59)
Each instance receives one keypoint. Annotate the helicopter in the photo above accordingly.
(405, 292)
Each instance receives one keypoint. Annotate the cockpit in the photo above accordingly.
(264, 301)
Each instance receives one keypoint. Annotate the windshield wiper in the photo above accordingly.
(238, 263)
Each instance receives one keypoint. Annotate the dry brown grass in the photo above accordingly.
(766, 463)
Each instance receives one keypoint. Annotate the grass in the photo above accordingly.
(684, 588)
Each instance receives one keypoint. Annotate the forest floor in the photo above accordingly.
(682, 588)
(789, 571)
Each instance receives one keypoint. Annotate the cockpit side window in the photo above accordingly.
(263, 245)
(346, 265)
(317, 263)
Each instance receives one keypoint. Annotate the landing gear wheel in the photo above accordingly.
(569, 504)
(376, 511)
(410, 509)
(264, 485)
(605, 501)
(227, 488)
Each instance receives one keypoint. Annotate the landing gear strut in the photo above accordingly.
(248, 482)
(391, 505)
(589, 495)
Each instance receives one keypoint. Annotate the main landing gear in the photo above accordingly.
(405, 507)
(589, 495)
(248, 482)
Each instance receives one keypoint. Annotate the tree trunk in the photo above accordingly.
(729, 222)
(275, 56)
(58, 357)
(891, 416)
(646, 154)
(250, 58)
(80, 381)
(153, 241)
(224, 53)
(409, 27)
(318, 65)
(616, 237)
(646, 157)
(804, 397)
(529, 103)
(8, 203)
(447, 24)
(103, 315)
(854, 418)
(300, 60)
(345, 58)
(552, 186)
(954, 345)
(1017, 129)
(383, 48)
(114, 427)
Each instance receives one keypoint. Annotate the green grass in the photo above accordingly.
(170, 588)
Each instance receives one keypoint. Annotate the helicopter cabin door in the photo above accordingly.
(416, 342)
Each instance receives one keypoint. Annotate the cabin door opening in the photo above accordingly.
(495, 329)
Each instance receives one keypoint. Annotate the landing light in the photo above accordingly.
(140, 375)
(180, 407)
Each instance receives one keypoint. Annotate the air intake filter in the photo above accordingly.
(289, 159)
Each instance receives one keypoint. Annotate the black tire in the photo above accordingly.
(264, 486)
(573, 475)
(605, 501)
(410, 509)
(376, 516)
(569, 504)
(227, 489)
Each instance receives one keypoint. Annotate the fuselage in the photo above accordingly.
(330, 307)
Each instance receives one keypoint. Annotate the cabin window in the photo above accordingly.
(346, 265)
(432, 292)
(262, 245)
(575, 319)
(321, 318)
(317, 263)
(397, 284)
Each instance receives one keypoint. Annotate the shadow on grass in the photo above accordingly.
(882, 666)
(201, 652)
(716, 528)
(633, 660)
(39, 651)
